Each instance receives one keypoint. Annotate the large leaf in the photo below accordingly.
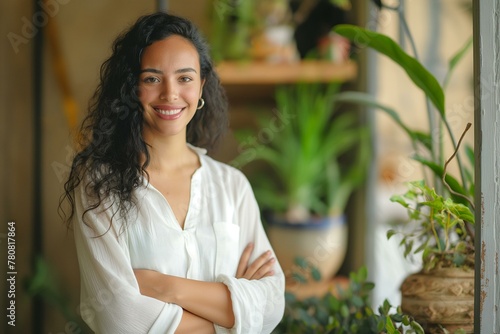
(386, 46)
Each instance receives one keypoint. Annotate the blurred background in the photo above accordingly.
(50, 56)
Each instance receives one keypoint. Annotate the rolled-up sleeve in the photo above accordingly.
(258, 305)
(111, 301)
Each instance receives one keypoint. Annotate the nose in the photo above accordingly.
(169, 91)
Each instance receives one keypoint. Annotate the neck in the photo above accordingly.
(168, 153)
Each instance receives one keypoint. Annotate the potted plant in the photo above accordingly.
(231, 29)
(304, 180)
(441, 295)
(345, 310)
(440, 208)
(258, 30)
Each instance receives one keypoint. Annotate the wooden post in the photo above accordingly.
(487, 146)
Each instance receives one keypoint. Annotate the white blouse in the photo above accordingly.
(223, 217)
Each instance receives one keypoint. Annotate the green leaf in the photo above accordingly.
(368, 286)
(390, 326)
(362, 274)
(316, 274)
(344, 310)
(455, 59)
(380, 326)
(386, 307)
(390, 233)
(399, 199)
(334, 304)
(462, 212)
(408, 248)
(388, 47)
(301, 262)
(397, 317)
(417, 327)
(299, 278)
(357, 301)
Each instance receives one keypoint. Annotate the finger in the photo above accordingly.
(255, 265)
(242, 265)
(265, 270)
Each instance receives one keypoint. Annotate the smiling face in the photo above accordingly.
(170, 87)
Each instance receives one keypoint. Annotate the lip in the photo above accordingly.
(168, 112)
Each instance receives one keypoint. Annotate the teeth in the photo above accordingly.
(169, 112)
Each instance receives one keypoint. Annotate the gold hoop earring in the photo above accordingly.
(202, 103)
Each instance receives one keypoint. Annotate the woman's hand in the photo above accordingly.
(261, 267)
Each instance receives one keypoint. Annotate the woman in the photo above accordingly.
(168, 239)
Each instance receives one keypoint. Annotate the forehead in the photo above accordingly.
(174, 50)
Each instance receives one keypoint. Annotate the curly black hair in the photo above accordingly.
(112, 146)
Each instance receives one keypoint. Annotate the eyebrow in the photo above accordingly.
(181, 70)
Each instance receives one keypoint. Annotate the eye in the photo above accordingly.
(185, 79)
(151, 80)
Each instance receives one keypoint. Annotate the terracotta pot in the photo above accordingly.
(322, 242)
(440, 297)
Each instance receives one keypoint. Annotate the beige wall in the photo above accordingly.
(16, 174)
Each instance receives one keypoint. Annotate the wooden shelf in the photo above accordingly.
(262, 73)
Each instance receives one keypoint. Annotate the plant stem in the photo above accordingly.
(447, 227)
(459, 161)
(431, 218)
(455, 153)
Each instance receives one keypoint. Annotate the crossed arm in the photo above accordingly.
(204, 303)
